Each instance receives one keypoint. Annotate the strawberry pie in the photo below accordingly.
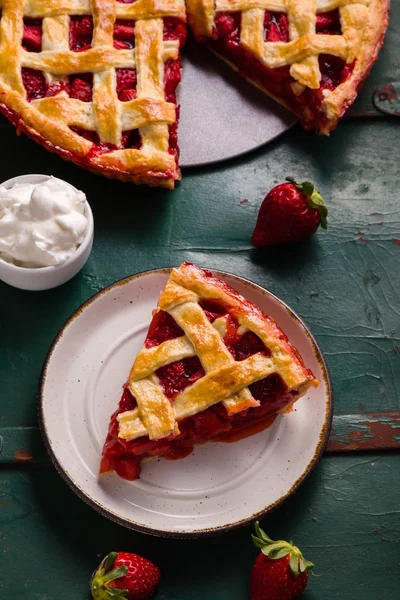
(96, 81)
(213, 367)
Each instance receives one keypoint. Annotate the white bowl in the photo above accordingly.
(45, 278)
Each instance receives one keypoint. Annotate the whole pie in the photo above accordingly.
(96, 81)
(309, 55)
(213, 367)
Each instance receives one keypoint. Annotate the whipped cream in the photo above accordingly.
(41, 224)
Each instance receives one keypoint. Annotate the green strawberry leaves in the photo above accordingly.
(305, 565)
(315, 200)
(108, 561)
(278, 549)
(294, 564)
(104, 574)
(261, 538)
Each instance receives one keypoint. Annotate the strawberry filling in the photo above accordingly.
(213, 309)
(80, 86)
(34, 83)
(80, 33)
(176, 377)
(126, 84)
(213, 423)
(162, 328)
(124, 34)
(32, 35)
(334, 70)
(329, 23)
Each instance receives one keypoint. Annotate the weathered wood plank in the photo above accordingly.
(365, 432)
(22, 445)
(345, 518)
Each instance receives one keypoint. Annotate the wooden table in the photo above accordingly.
(344, 283)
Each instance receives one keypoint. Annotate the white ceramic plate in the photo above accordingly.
(220, 486)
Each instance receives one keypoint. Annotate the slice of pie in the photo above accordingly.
(213, 367)
(310, 55)
(96, 82)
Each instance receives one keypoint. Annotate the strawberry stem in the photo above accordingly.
(278, 549)
(104, 574)
(315, 200)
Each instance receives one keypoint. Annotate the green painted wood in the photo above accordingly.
(51, 541)
(386, 99)
(343, 283)
(22, 445)
(365, 432)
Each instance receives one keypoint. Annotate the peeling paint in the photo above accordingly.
(23, 455)
(365, 432)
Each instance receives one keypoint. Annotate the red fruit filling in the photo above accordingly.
(56, 87)
(213, 309)
(276, 27)
(177, 376)
(247, 345)
(124, 34)
(87, 134)
(213, 423)
(80, 86)
(329, 23)
(162, 328)
(126, 84)
(34, 83)
(334, 71)
(32, 36)
(80, 33)
(172, 77)
(131, 139)
(174, 29)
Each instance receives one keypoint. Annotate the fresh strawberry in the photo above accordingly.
(122, 575)
(280, 571)
(291, 212)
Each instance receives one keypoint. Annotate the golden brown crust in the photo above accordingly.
(363, 24)
(225, 380)
(377, 18)
(49, 120)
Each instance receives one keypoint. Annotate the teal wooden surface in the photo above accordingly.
(343, 283)
(51, 541)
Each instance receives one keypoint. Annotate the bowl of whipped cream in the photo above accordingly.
(46, 231)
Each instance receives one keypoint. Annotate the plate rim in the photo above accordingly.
(208, 531)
